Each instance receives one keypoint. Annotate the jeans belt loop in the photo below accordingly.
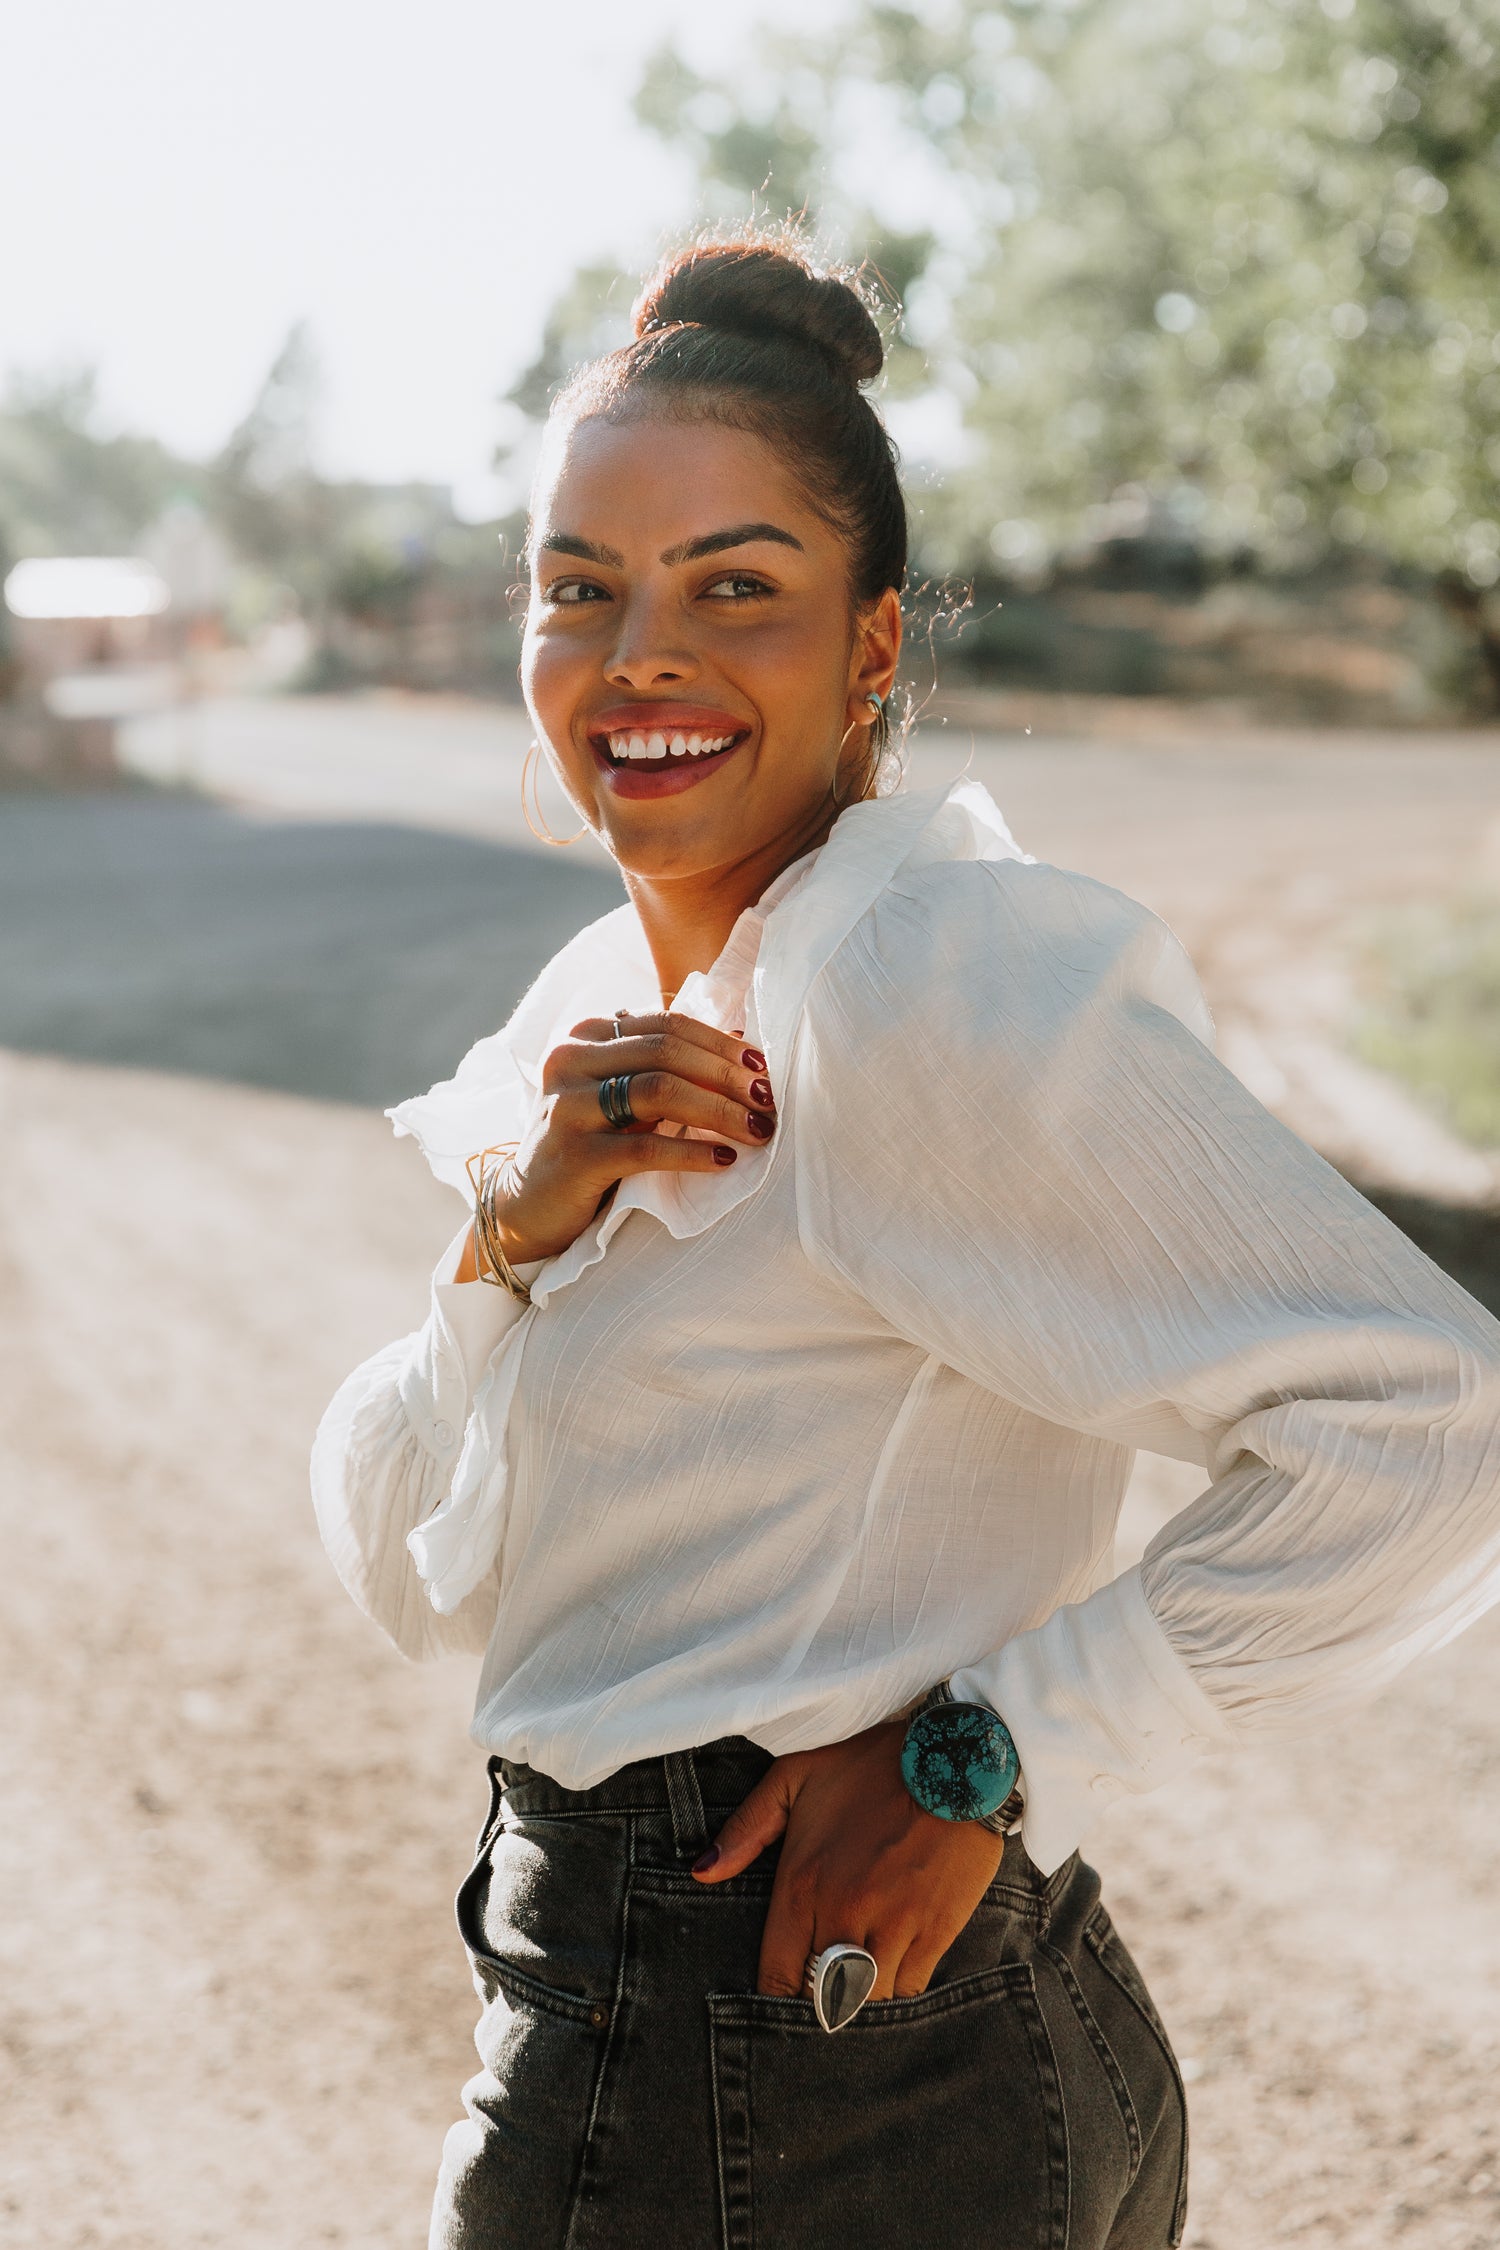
(685, 1800)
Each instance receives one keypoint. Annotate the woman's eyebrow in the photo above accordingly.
(586, 550)
(738, 535)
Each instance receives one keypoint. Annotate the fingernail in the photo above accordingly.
(706, 1860)
(761, 1127)
(753, 1059)
(725, 1155)
(760, 1091)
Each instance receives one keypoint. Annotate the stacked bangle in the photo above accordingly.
(486, 1172)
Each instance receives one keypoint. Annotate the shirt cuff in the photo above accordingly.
(475, 1314)
(1100, 1706)
(465, 1327)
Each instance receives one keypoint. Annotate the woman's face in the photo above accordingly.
(693, 661)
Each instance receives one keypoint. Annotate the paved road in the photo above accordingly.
(350, 959)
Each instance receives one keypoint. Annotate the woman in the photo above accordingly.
(845, 1210)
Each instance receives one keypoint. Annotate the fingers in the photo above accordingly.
(790, 1935)
(903, 1979)
(662, 1096)
(726, 1046)
(753, 1824)
(657, 1097)
(694, 1049)
(728, 1068)
(619, 1155)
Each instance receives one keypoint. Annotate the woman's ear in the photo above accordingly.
(875, 655)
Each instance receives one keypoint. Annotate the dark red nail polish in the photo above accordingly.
(725, 1155)
(760, 1091)
(753, 1059)
(706, 1860)
(761, 1127)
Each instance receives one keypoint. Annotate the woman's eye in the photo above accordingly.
(739, 586)
(569, 593)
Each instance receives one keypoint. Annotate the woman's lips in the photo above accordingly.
(655, 750)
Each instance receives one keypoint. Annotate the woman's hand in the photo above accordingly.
(861, 1863)
(681, 1073)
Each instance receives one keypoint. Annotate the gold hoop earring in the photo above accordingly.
(880, 735)
(538, 827)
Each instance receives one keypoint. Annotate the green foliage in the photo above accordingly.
(590, 317)
(67, 488)
(1223, 265)
(1436, 1019)
(389, 561)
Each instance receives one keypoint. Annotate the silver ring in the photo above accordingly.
(839, 1981)
(617, 1021)
(614, 1101)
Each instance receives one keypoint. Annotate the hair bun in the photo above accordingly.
(756, 288)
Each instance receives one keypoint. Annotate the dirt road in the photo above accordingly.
(234, 2010)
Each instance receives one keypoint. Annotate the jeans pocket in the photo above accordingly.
(935, 2119)
(528, 1912)
(511, 2169)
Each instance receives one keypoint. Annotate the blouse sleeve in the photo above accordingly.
(1015, 1143)
(386, 1455)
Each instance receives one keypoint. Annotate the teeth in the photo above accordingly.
(644, 746)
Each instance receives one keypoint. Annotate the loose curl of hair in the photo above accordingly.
(748, 332)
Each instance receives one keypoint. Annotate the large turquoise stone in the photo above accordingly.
(958, 1761)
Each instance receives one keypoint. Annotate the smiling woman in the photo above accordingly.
(842, 1212)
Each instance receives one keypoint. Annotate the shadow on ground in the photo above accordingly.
(350, 960)
(1463, 1241)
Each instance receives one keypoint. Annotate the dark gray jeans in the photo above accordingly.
(637, 2094)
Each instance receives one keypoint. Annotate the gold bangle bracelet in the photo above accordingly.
(486, 1171)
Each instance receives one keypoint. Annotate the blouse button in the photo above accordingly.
(1106, 1785)
(442, 1434)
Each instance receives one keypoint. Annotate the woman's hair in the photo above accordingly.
(748, 332)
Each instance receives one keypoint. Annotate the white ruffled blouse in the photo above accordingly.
(774, 1448)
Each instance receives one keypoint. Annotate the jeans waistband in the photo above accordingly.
(695, 1789)
(682, 1784)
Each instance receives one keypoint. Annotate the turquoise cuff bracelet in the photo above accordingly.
(959, 1762)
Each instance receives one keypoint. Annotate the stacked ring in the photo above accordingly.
(614, 1101)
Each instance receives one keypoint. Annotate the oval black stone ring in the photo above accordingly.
(839, 1981)
(614, 1101)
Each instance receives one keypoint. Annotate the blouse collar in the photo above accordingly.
(759, 983)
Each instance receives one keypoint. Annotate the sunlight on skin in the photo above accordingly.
(643, 632)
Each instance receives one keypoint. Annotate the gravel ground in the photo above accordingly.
(234, 2008)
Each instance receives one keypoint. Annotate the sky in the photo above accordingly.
(181, 180)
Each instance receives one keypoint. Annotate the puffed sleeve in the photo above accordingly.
(388, 1450)
(1015, 1143)
(408, 1469)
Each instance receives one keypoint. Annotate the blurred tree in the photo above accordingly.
(66, 485)
(278, 512)
(592, 315)
(1223, 268)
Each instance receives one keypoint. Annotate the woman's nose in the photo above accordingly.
(646, 652)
